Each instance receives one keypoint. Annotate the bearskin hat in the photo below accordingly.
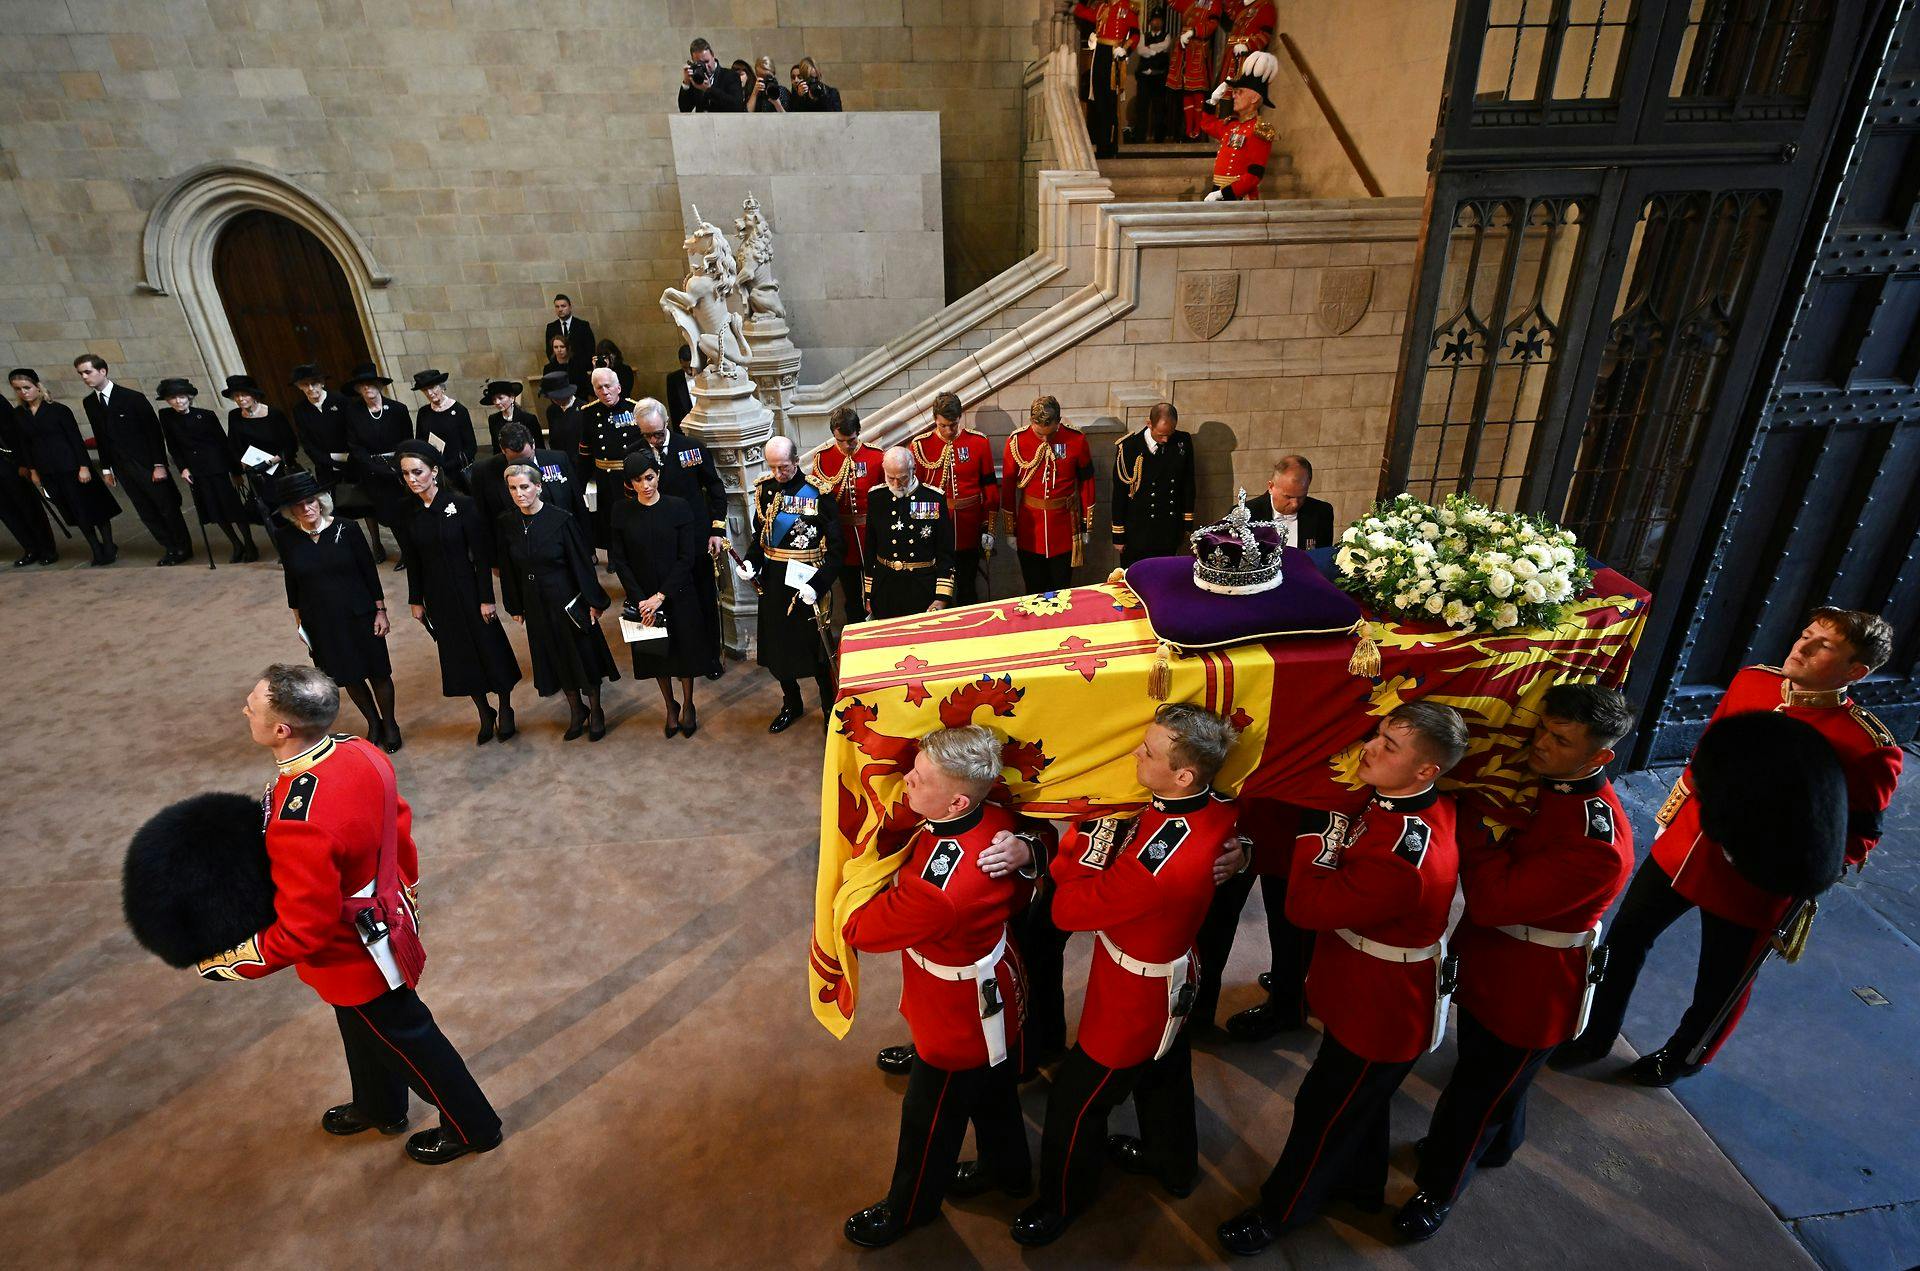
(196, 879)
(1772, 794)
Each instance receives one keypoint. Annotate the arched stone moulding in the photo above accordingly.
(177, 251)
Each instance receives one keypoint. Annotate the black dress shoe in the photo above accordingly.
(970, 1180)
(1039, 1224)
(576, 725)
(689, 720)
(784, 720)
(1257, 1023)
(894, 1060)
(1420, 1217)
(1578, 1053)
(1266, 981)
(28, 559)
(1660, 1069)
(506, 730)
(237, 556)
(251, 555)
(440, 1145)
(488, 718)
(392, 743)
(875, 1227)
(167, 558)
(1128, 1153)
(596, 724)
(1246, 1233)
(346, 1119)
(672, 726)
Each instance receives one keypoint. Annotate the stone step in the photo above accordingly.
(1185, 189)
(1130, 164)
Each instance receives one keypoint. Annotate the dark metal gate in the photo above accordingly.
(1620, 200)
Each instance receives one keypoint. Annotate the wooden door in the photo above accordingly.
(288, 302)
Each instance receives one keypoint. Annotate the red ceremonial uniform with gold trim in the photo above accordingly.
(1868, 755)
(849, 479)
(1245, 144)
(961, 469)
(1386, 874)
(1049, 491)
(1115, 22)
(1190, 68)
(323, 824)
(1559, 872)
(942, 906)
(1149, 898)
(1248, 24)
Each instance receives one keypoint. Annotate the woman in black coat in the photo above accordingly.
(252, 425)
(199, 448)
(657, 543)
(58, 459)
(549, 586)
(337, 602)
(446, 419)
(450, 591)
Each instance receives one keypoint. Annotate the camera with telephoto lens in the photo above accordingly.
(699, 73)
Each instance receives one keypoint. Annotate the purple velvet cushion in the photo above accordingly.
(1305, 603)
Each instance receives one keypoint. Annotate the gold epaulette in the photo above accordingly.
(1881, 734)
(1264, 131)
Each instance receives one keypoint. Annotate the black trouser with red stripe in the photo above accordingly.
(933, 1124)
(1482, 1114)
(1337, 1148)
(393, 1045)
(1073, 1145)
(1290, 947)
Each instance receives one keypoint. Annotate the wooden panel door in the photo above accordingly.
(288, 302)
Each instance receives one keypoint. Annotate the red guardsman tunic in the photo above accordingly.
(962, 470)
(323, 845)
(1190, 68)
(1868, 755)
(1245, 145)
(1250, 24)
(1049, 491)
(1147, 891)
(1385, 876)
(1115, 22)
(944, 908)
(1556, 874)
(849, 479)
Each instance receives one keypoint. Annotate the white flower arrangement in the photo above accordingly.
(1470, 566)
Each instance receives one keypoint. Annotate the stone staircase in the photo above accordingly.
(1182, 172)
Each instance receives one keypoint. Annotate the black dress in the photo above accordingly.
(454, 427)
(656, 548)
(449, 551)
(371, 441)
(52, 438)
(199, 446)
(272, 433)
(499, 420)
(547, 565)
(331, 581)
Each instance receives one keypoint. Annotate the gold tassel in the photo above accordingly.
(1365, 661)
(1160, 678)
(1079, 550)
(1794, 943)
(1116, 577)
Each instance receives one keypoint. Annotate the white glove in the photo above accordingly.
(806, 593)
(1219, 91)
(1093, 40)
(745, 570)
(1239, 50)
(1215, 196)
(1120, 53)
(1186, 38)
(986, 544)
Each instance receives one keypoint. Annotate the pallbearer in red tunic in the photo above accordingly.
(1116, 29)
(958, 462)
(1048, 497)
(1190, 70)
(1837, 648)
(1246, 140)
(1250, 26)
(1142, 886)
(847, 471)
(1526, 943)
(1377, 887)
(340, 847)
(962, 990)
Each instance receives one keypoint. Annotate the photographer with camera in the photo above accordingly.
(766, 94)
(809, 93)
(704, 86)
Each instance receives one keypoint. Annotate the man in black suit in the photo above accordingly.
(1305, 522)
(487, 479)
(679, 396)
(706, 85)
(577, 332)
(133, 447)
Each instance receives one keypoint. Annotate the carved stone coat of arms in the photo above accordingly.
(1208, 299)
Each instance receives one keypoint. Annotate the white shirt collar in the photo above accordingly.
(1146, 435)
(105, 390)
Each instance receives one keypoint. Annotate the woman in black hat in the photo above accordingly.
(339, 608)
(548, 584)
(658, 542)
(450, 591)
(58, 459)
(505, 395)
(255, 428)
(445, 419)
(564, 419)
(200, 450)
(376, 425)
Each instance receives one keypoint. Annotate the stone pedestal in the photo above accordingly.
(734, 426)
(775, 368)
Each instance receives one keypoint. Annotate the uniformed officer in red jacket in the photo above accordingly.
(1377, 887)
(1047, 499)
(1142, 885)
(1837, 648)
(962, 991)
(1246, 140)
(847, 471)
(325, 832)
(958, 462)
(1116, 30)
(1526, 943)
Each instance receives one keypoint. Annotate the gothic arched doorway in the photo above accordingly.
(287, 301)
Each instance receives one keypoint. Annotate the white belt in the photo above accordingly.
(1176, 977)
(993, 1011)
(1588, 940)
(1435, 953)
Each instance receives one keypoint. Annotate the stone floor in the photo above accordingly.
(618, 940)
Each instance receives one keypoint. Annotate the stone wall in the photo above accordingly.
(489, 153)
